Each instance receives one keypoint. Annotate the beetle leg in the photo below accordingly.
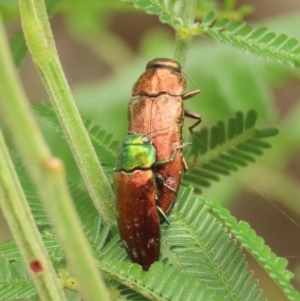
(163, 215)
(158, 176)
(190, 94)
(173, 155)
(185, 166)
(193, 116)
(189, 113)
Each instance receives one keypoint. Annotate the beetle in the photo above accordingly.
(157, 102)
(136, 198)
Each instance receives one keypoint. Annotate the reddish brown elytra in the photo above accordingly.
(137, 217)
(157, 103)
(136, 196)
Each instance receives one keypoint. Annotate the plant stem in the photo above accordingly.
(41, 45)
(22, 225)
(48, 176)
(183, 35)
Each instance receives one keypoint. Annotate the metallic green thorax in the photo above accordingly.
(137, 153)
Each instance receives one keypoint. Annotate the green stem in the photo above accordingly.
(25, 232)
(48, 176)
(41, 45)
(183, 34)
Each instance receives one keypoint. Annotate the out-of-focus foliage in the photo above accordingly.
(230, 81)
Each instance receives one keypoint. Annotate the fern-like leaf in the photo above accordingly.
(260, 42)
(34, 201)
(18, 48)
(9, 249)
(98, 236)
(275, 266)
(160, 282)
(82, 200)
(168, 11)
(206, 254)
(15, 283)
(189, 217)
(96, 232)
(225, 147)
(102, 141)
(129, 294)
(205, 250)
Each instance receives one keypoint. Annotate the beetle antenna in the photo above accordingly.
(156, 130)
(189, 78)
(130, 132)
(150, 132)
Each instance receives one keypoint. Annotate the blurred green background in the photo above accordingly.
(104, 47)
